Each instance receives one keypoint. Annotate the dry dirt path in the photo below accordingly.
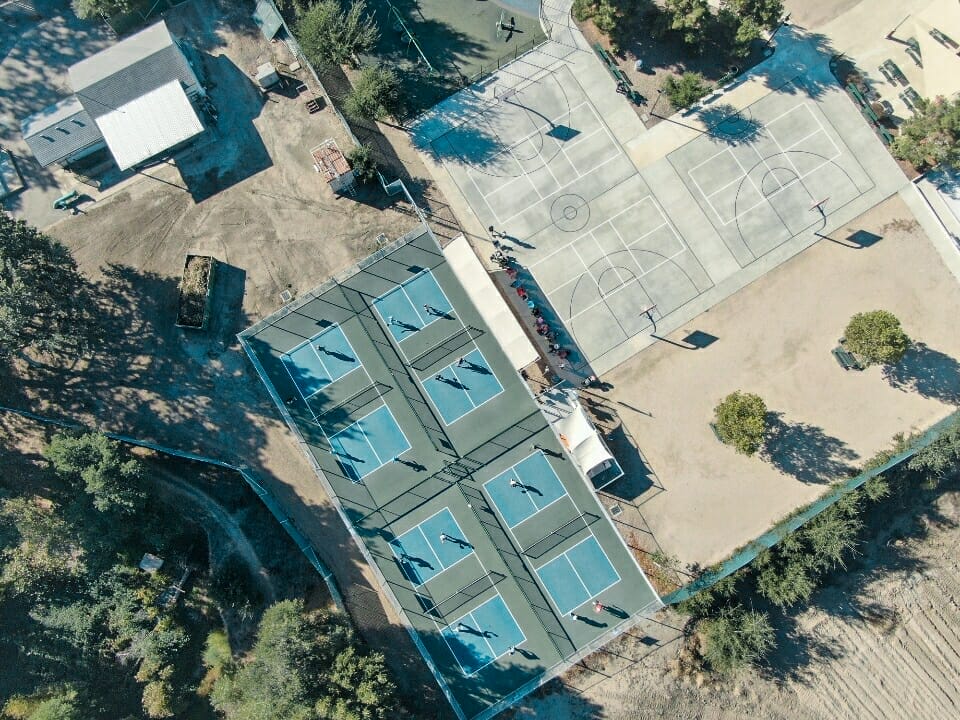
(173, 488)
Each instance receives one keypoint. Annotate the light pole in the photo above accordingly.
(783, 22)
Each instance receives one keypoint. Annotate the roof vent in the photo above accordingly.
(77, 122)
(63, 130)
(47, 137)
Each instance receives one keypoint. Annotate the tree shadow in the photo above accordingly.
(805, 451)
(727, 122)
(927, 372)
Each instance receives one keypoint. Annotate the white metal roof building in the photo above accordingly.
(133, 96)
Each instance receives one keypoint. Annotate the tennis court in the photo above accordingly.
(578, 576)
(431, 547)
(478, 638)
(421, 470)
(462, 386)
(413, 305)
(369, 443)
(525, 489)
(320, 360)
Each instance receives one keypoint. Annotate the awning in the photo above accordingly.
(487, 299)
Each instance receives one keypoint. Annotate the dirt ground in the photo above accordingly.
(248, 195)
(880, 641)
(774, 338)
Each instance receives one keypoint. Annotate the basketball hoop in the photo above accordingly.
(818, 206)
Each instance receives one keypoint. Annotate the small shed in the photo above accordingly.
(150, 563)
(267, 76)
(331, 163)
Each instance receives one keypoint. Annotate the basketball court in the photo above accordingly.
(619, 257)
(601, 253)
(770, 172)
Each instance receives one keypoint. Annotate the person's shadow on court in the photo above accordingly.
(338, 355)
(419, 562)
(473, 367)
(452, 383)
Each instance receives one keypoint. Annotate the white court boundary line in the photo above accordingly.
(310, 341)
(629, 247)
(419, 528)
(333, 452)
(537, 509)
(600, 128)
(493, 655)
(564, 555)
(798, 177)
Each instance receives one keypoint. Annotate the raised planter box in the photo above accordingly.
(193, 309)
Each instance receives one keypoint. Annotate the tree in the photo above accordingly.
(740, 32)
(282, 680)
(96, 9)
(363, 163)
(932, 135)
(764, 13)
(736, 638)
(45, 304)
(304, 666)
(359, 689)
(158, 699)
(374, 96)
(107, 472)
(39, 549)
(691, 18)
(877, 337)
(686, 90)
(741, 421)
(331, 36)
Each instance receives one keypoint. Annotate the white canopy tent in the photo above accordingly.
(579, 436)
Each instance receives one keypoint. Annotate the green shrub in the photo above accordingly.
(374, 96)
(741, 421)
(216, 651)
(784, 583)
(877, 337)
(363, 164)
(736, 638)
(686, 90)
(584, 9)
(606, 17)
(232, 586)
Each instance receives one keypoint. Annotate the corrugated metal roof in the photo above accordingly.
(137, 65)
(149, 124)
(267, 19)
(56, 132)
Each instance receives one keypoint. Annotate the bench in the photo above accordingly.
(846, 359)
(716, 433)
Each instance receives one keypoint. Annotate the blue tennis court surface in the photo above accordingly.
(321, 360)
(461, 387)
(369, 443)
(580, 574)
(413, 305)
(481, 636)
(525, 489)
(421, 552)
